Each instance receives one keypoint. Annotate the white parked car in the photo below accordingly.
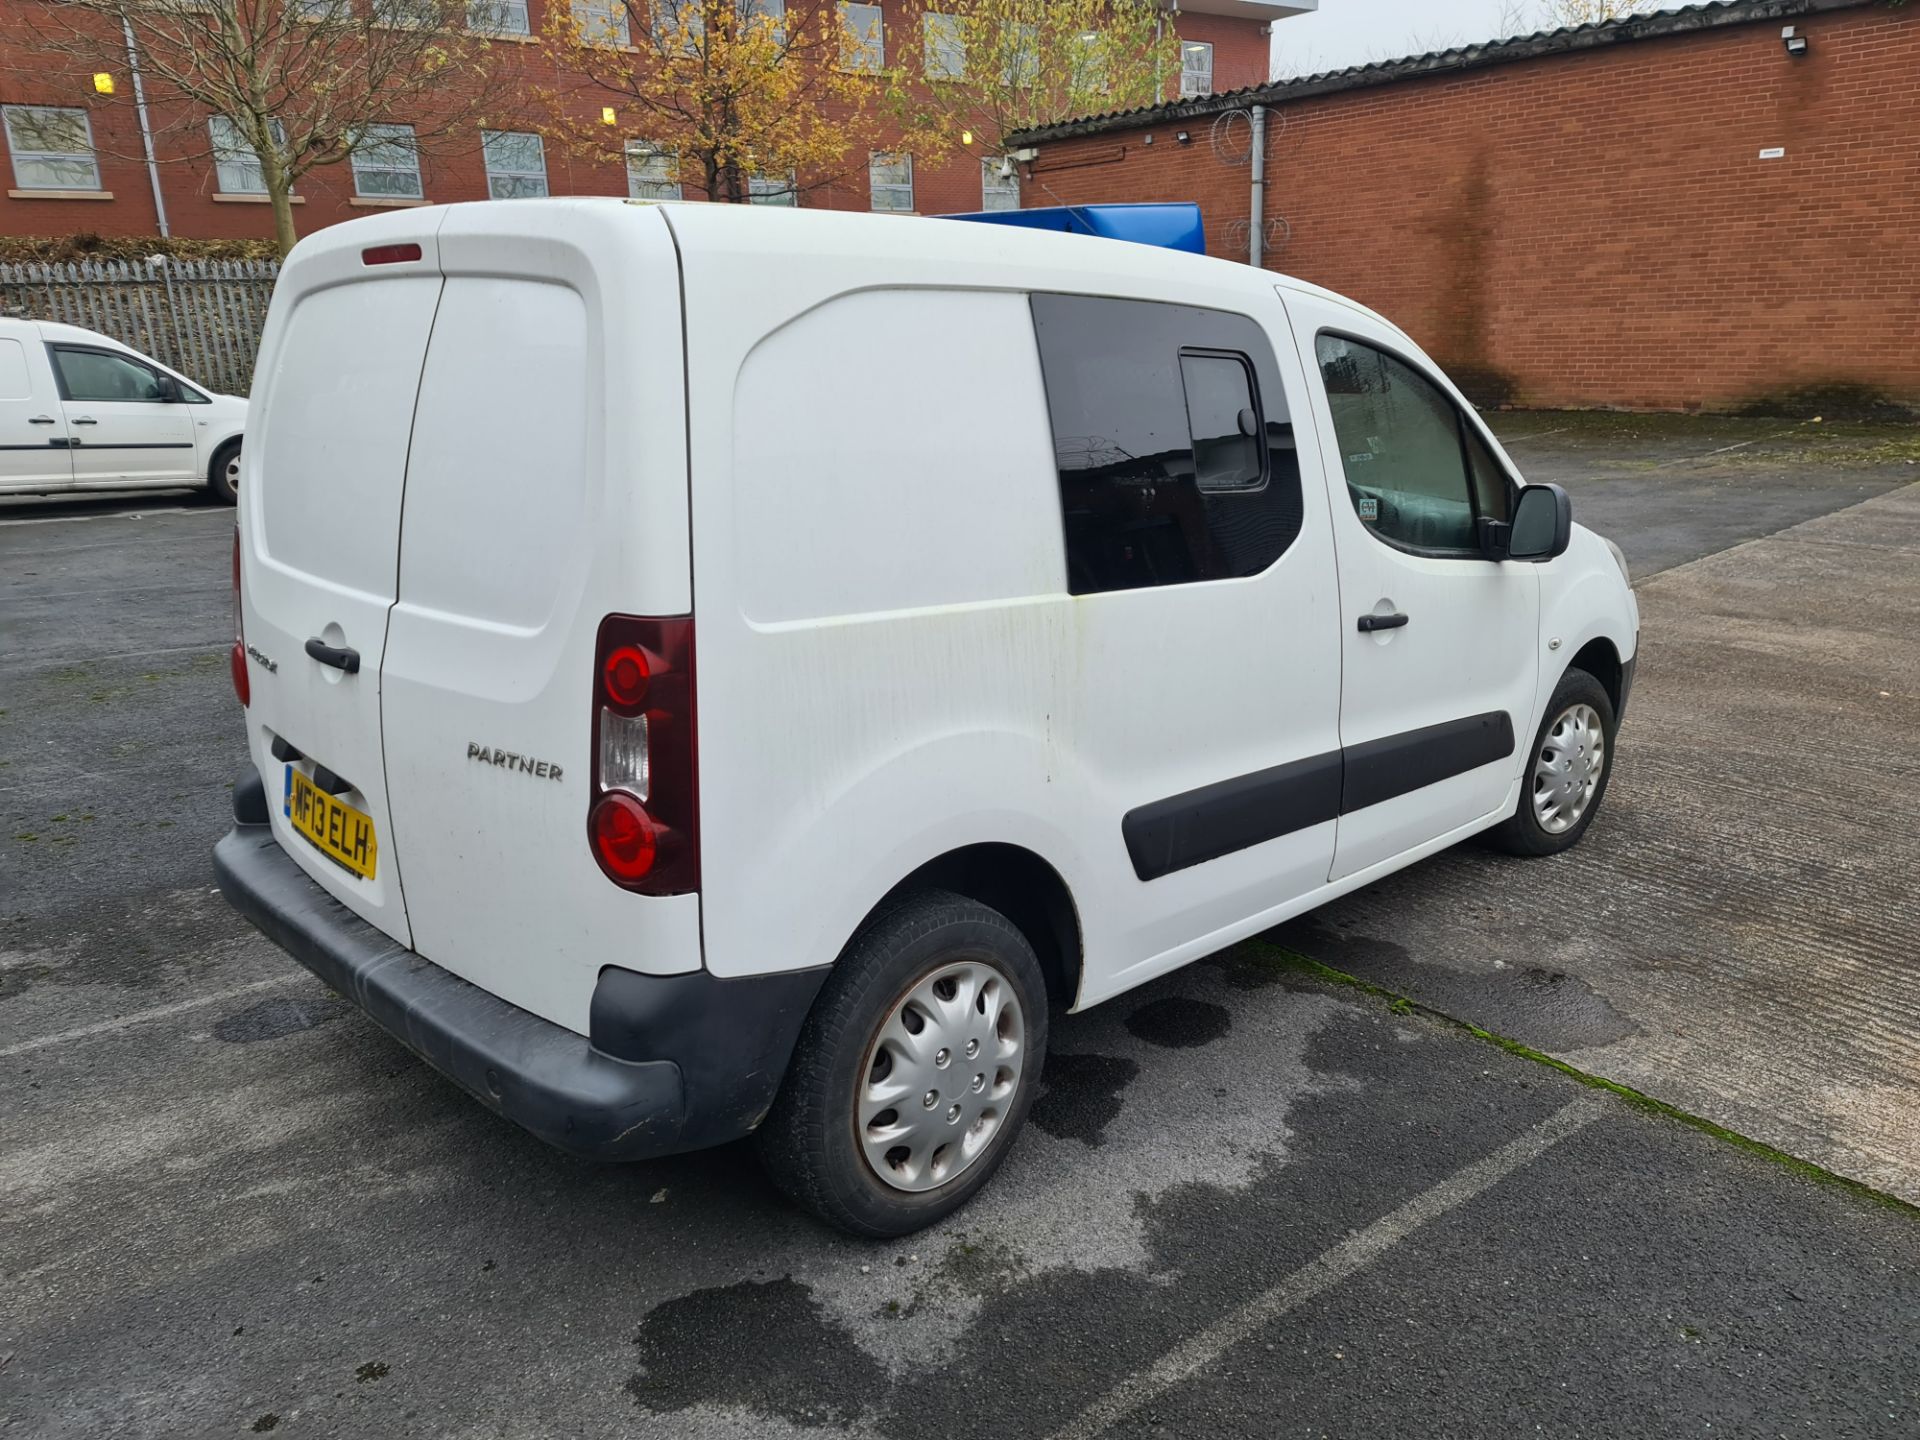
(713, 670)
(80, 411)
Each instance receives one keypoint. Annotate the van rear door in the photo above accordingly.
(546, 489)
(319, 517)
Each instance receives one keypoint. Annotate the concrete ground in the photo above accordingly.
(1251, 1202)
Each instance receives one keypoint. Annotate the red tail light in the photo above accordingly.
(237, 657)
(644, 822)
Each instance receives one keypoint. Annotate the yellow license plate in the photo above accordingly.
(341, 833)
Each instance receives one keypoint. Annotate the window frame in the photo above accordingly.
(611, 28)
(779, 191)
(16, 154)
(990, 165)
(857, 55)
(413, 145)
(55, 348)
(938, 46)
(498, 9)
(874, 187)
(486, 162)
(1185, 46)
(245, 157)
(1461, 422)
(654, 150)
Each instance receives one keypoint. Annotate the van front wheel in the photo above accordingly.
(914, 1071)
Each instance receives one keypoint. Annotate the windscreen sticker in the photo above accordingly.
(1369, 508)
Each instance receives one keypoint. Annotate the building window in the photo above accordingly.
(323, 9)
(773, 190)
(1401, 448)
(653, 172)
(52, 148)
(999, 185)
(863, 43)
(890, 177)
(1196, 68)
(516, 164)
(602, 22)
(774, 11)
(946, 47)
(499, 17)
(1173, 439)
(420, 14)
(386, 164)
(234, 162)
(1023, 57)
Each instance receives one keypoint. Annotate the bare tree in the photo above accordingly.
(288, 85)
(1565, 13)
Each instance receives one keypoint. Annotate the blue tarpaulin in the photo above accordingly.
(1172, 227)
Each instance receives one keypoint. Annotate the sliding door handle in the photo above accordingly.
(40, 420)
(1371, 623)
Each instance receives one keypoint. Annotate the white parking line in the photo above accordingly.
(1534, 435)
(1354, 1253)
(140, 1017)
(118, 515)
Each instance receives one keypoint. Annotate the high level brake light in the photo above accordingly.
(237, 657)
(644, 822)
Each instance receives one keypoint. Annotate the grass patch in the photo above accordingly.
(1400, 1004)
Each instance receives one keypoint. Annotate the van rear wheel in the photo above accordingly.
(914, 1071)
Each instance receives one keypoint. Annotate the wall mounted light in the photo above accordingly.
(102, 83)
(607, 115)
(1183, 138)
(1795, 42)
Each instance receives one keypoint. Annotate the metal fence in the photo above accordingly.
(201, 317)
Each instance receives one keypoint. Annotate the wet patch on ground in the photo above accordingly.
(767, 1346)
(273, 1019)
(1538, 1005)
(1179, 1023)
(1082, 1096)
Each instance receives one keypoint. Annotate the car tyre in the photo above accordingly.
(1565, 780)
(965, 1080)
(223, 473)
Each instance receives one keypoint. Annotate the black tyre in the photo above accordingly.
(223, 473)
(914, 1071)
(1567, 770)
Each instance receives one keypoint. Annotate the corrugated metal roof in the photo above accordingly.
(1686, 21)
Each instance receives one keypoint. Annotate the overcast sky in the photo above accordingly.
(1358, 32)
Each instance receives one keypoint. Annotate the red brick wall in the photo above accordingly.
(1595, 228)
(448, 172)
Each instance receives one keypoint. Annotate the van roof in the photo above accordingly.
(881, 242)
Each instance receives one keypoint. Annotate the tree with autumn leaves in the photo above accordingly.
(792, 96)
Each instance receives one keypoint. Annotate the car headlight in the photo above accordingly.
(1620, 559)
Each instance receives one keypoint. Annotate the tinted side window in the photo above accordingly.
(1173, 440)
(95, 375)
(1400, 446)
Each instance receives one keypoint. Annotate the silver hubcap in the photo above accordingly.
(941, 1076)
(233, 471)
(1567, 771)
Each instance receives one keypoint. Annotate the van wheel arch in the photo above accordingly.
(1601, 659)
(1023, 887)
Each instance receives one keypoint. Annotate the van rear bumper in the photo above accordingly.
(698, 1059)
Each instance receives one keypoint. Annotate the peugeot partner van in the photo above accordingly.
(718, 670)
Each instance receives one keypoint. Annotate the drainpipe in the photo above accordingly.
(146, 130)
(1256, 249)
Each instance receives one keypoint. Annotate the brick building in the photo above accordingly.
(1691, 209)
(96, 180)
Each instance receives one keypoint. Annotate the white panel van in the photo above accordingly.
(718, 670)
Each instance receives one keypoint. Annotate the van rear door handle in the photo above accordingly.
(1369, 623)
(340, 657)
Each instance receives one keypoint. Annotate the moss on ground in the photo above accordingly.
(1400, 1004)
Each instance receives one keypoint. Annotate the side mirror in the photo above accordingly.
(1542, 524)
